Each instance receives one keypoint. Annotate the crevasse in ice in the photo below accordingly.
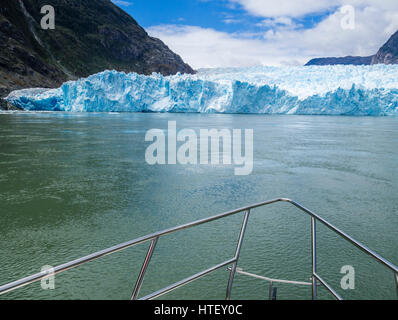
(320, 90)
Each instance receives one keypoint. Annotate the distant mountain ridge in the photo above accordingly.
(388, 54)
(349, 60)
(89, 37)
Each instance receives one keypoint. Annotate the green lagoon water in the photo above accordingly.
(73, 184)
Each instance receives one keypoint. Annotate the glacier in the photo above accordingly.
(310, 90)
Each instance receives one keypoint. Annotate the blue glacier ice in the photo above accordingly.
(315, 90)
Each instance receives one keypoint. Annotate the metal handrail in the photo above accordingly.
(252, 275)
(272, 281)
(234, 261)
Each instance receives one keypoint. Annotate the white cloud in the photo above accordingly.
(381, 4)
(285, 43)
(300, 8)
(291, 8)
(277, 22)
(122, 3)
(232, 21)
(208, 48)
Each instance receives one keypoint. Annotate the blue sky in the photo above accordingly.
(217, 14)
(240, 33)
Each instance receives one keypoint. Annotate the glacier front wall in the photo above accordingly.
(316, 90)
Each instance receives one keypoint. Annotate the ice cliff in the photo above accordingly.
(315, 90)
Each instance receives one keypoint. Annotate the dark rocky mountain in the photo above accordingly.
(342, 61)
(388, 54)
(89, 37)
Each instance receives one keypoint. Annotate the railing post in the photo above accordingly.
(313, 243)
(147, 260)
(396, 282)
(271, 284)
(237, 253)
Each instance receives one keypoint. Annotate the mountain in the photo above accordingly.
(89, 37)
(388, 54)
(342, 61)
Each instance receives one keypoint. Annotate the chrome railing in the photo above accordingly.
(272, 281)
(233, 262)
